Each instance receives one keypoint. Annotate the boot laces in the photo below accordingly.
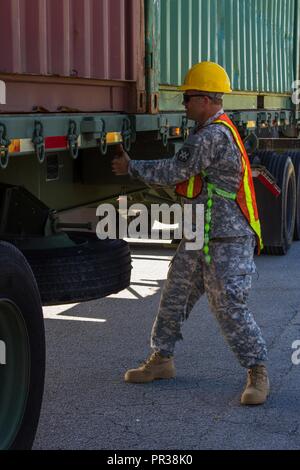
(152, 359)
(257, 376)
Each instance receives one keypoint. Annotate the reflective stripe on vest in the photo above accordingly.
(190, 188)
(246, 195)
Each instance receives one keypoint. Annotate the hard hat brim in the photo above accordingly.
(189, 87)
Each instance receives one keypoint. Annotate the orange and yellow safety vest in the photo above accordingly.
(245, 196)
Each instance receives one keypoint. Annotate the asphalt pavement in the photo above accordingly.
(87, 405)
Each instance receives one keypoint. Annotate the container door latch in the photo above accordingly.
(102, 141)
(72, 139)
(126, 134)
(4, 145)
(38, 141)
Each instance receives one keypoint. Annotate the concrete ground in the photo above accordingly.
(87, 405)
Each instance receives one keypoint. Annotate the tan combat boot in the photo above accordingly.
(257, 387)
(156, 367)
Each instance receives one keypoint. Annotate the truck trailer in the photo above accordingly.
(78, 77)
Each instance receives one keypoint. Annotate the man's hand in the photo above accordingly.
(120, 162)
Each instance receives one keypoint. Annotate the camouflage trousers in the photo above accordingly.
(226, 282)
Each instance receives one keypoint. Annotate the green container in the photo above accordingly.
(256, 41)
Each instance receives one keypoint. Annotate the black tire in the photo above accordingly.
(22, 332)
(282, 168)
(89, 270)
(295, 157)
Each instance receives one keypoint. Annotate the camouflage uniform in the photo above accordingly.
(227, 280)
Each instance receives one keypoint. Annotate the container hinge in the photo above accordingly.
(184, 128)
(4, 147)
(149, 60)
(164, 131)
(262, 120)
(126, 134)
(282, 118)
(269, 119)
(102, 141)
(72, 139)
(38, 141)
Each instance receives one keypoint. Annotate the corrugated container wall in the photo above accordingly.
(82, 39)
(254, 40)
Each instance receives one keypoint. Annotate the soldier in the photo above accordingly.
(212, 168)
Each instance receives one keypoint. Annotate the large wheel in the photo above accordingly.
(282, 168)
(22, 359)
(90, 269)
(295, 157)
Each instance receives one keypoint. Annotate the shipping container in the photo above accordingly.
(83, 55)
(255, 41)
(78, 77)
(90, 56)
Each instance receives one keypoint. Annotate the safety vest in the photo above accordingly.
(245, 196)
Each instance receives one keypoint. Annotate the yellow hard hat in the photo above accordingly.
(207, 76)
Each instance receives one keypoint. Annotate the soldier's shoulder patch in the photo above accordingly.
(184, 154)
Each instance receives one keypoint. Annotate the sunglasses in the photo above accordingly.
(186, 97)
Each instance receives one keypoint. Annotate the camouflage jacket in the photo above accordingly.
(213, 149)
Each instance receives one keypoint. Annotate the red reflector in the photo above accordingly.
(273, 188)
(57, 142)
